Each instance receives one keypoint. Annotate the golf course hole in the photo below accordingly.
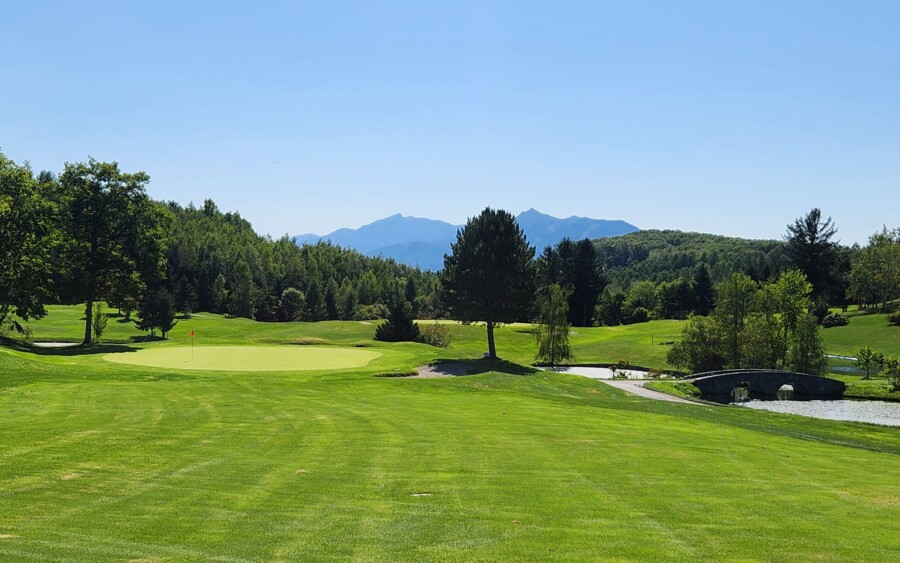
(248, 358)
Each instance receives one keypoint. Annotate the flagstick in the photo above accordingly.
(192, 345)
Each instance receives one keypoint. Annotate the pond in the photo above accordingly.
(873, 412)
(598, 372)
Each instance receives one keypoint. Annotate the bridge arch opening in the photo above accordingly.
(741, 392)
(785, 392)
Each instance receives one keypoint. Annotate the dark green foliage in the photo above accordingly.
(26, 235)
(894, 318)
(819, 309)
(292, 305)
(676, 299)
(734, 301)
(810, 248)
(331, 304)
(703, 291)
(635, 315)
(668, 255)
(806, 353)
(755, 326)
(836, 319)
(315, 302)
(399, 326)
(157, 311)
(489, 274)
(234, 269)
(701, 347)
(610, 309)
(111, 228)
(574, 265)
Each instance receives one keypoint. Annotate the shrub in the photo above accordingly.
(399, 326)
(894, 319)
(371, 312)
(436, 335)
(890, 370)
(834, 319)
(637, 315)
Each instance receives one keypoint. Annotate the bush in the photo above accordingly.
(894, 319)
(371, 312)
(399, 326)
(636, 315)
(436, 335)
(834, 319)
(820, 310)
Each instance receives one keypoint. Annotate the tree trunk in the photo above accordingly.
(88, 315)
(89, 310)
(492, 350)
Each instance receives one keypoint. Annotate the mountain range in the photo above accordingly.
(423, 242)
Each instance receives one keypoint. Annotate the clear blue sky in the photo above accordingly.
(730, 117)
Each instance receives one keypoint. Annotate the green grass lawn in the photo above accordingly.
(108, 461)
(863, 330)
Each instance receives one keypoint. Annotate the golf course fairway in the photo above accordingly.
(248, 358)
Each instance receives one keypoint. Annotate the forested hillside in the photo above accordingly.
(217, 262)
(668, 255)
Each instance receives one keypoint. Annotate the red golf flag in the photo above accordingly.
(192, 333)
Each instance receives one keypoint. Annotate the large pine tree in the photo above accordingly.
(489, 274)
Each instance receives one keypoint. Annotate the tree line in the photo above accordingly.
(92, 234)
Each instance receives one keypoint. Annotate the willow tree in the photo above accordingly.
(489, 274)
(552, 331)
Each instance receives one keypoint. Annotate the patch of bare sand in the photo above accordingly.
(444, 369)
(8, 536)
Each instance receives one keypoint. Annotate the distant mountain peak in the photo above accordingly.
(422, 242)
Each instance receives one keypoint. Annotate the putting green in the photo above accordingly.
(248, 358)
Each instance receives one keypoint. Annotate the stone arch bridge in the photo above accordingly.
(766, 382)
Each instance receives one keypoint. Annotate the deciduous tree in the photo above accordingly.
(110, 227)
(26, 232)
(552, 330)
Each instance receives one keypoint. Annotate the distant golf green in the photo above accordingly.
(248, 358)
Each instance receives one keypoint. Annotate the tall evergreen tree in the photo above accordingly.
(587, 282)
(703, 289)
(810, 248)
(399, 326)
(489, 274)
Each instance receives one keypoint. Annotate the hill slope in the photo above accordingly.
(665, 255)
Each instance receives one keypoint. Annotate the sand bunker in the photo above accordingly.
(248, 358)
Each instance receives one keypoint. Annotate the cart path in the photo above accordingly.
(637, 388)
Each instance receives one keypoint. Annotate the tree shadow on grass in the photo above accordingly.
(484, 365)
(75, 350)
